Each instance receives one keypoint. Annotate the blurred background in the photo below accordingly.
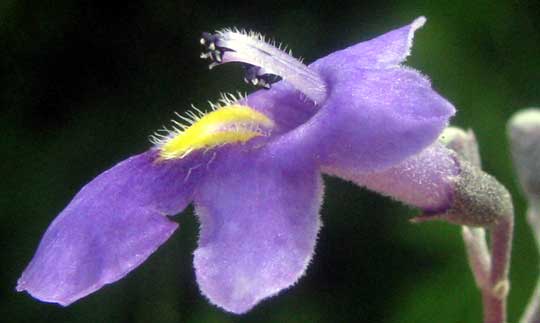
(84, 83)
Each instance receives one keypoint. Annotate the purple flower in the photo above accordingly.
(252, 168)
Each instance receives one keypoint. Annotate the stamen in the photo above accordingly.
(254, 77)
(230, 123)
(263, 60)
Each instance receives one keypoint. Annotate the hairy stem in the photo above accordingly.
(477, 254)
(494, 296)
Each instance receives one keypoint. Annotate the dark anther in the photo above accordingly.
(254, 77)
(211, 51)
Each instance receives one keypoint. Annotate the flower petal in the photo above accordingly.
(259, 223)
(373, 119)
(424, 180)
(289, 108)
(384, 51)
(111, 226)
(286, 106)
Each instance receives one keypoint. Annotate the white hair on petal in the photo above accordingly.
(416, 24)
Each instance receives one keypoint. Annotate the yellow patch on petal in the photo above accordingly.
(229, 124)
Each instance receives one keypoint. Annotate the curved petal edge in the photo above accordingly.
(109, 228)
(259, 225)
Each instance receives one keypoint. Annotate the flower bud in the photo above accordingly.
(524, 135)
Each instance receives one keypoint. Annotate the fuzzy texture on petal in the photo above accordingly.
(373, 119)
(289, 108)
(384, 51)
(375, 116)
(424, 180)
(110, 227)
(259, 223)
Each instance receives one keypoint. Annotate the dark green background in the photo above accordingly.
(84, 84)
